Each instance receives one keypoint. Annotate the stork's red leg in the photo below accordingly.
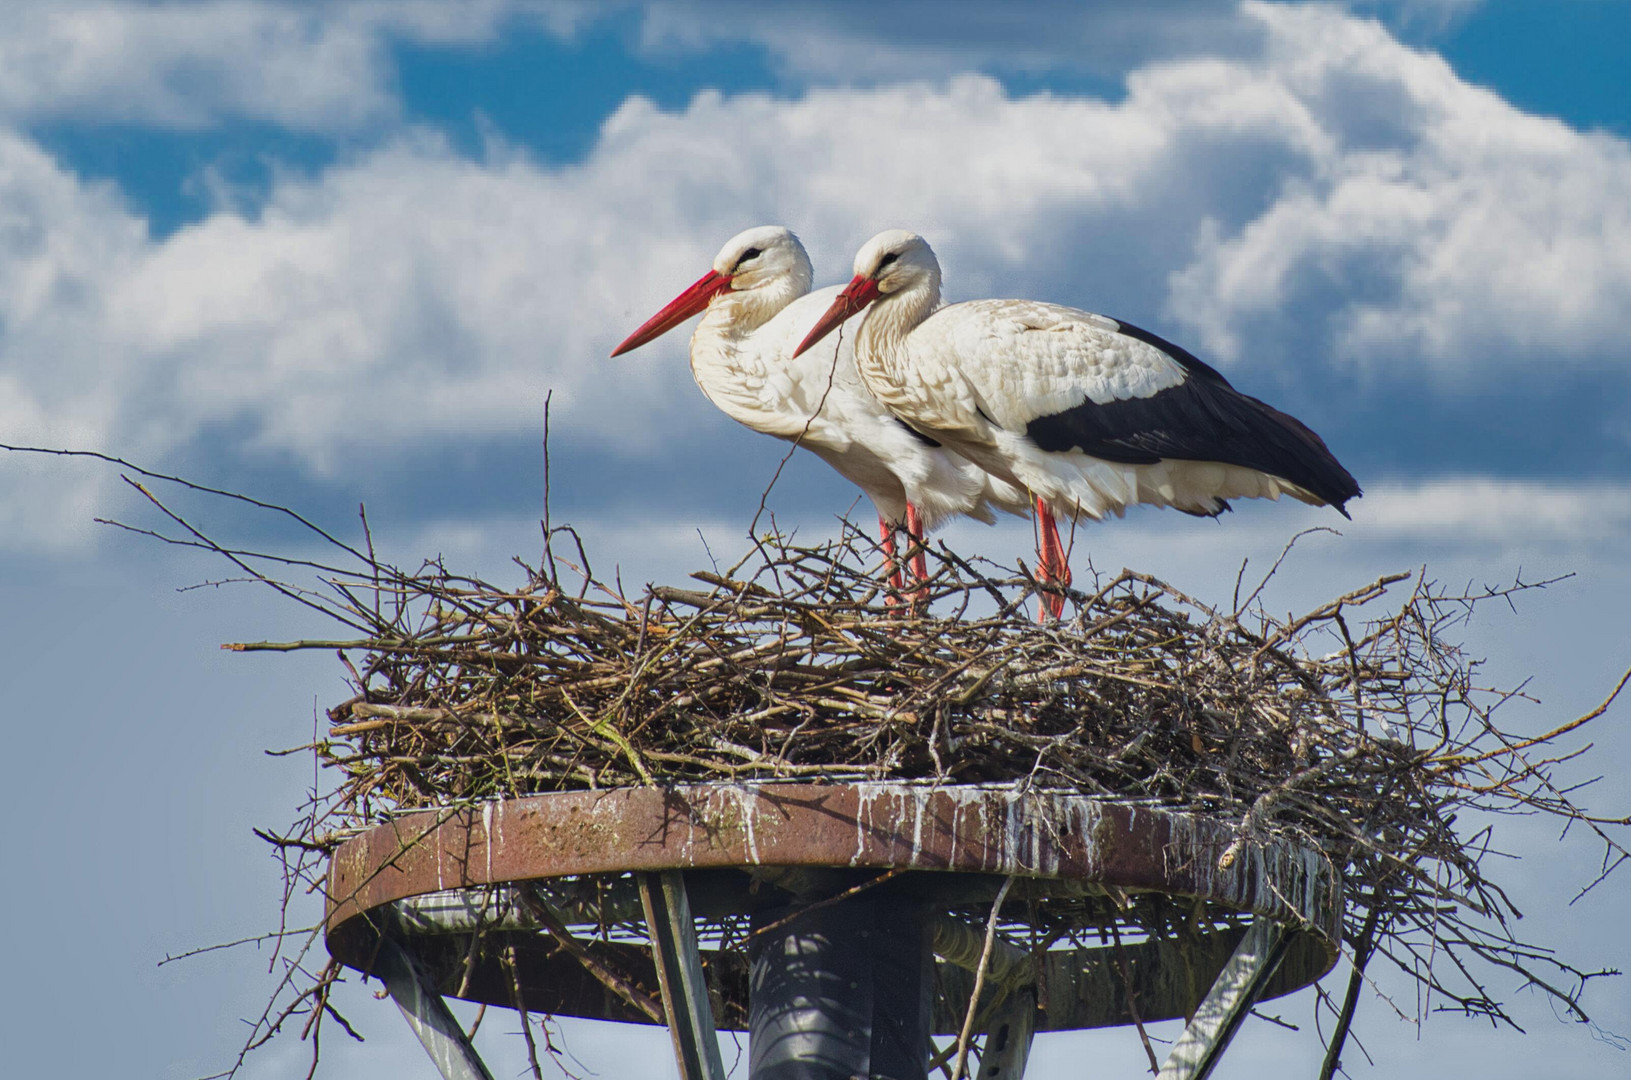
(1051, 565)
(919, 560)
(886, 534)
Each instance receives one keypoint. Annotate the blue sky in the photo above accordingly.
(334, 253)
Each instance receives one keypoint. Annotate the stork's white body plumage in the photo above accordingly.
(975, 376)
(1089, 414)
(758, 308)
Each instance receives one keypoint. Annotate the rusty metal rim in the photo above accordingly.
(961, 830)
(989, 830)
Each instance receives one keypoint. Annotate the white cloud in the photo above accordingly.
(326, 65)
(1469, 527)
(177, 65)
(1453, 228)
(910, 39)
(61, 242)
(1474, 509)
(1494, 520)
(321, 67)
(829, 40)
(409, 298)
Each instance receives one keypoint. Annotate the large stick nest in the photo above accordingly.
(1359, 727)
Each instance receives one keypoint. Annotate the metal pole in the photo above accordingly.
(841, 990)
(1220, 1013)
(423, 1008)
(674, 950)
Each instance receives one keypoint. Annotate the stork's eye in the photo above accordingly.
(750, 253)
(887, 259)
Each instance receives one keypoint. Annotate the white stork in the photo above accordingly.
(1088, 414)
(758, 303)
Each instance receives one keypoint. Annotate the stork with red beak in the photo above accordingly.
(1088, 414)
(757, 306)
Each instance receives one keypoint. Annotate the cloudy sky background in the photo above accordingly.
(339, 253)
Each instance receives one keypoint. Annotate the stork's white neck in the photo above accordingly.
(879, 343)
(736, 313)
(721, 352)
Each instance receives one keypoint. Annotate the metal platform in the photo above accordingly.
(660, 858)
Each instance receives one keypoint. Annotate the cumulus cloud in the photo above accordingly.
(411, 298)
(1425, 220)
(1521, 519)
(322, 67)
(327, 67)
(827, 40)
(926, 39)
(1498, 510)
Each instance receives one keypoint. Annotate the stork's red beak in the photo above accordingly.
(860, 292)
(682, 307)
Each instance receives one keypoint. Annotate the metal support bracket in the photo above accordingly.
(1220, 1013)
(427, 1014)
(1008, 1037)
(679, 973)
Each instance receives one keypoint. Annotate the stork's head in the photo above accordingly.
(763, 256)
(894, 261)
(760, 270)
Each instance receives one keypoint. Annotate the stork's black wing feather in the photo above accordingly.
(1202, 418)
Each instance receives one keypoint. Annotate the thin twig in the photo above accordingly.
(967, 1032)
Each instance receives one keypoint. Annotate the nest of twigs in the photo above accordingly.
(1359, 728)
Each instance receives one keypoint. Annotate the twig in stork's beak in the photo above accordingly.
(682, 307)
(856, 295)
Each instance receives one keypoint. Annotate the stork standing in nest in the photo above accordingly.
(1088, 414)
(758, 306)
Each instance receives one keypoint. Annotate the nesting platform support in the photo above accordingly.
(686, 1005)
(895, 860)
(841, 990)
(427, 1014)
